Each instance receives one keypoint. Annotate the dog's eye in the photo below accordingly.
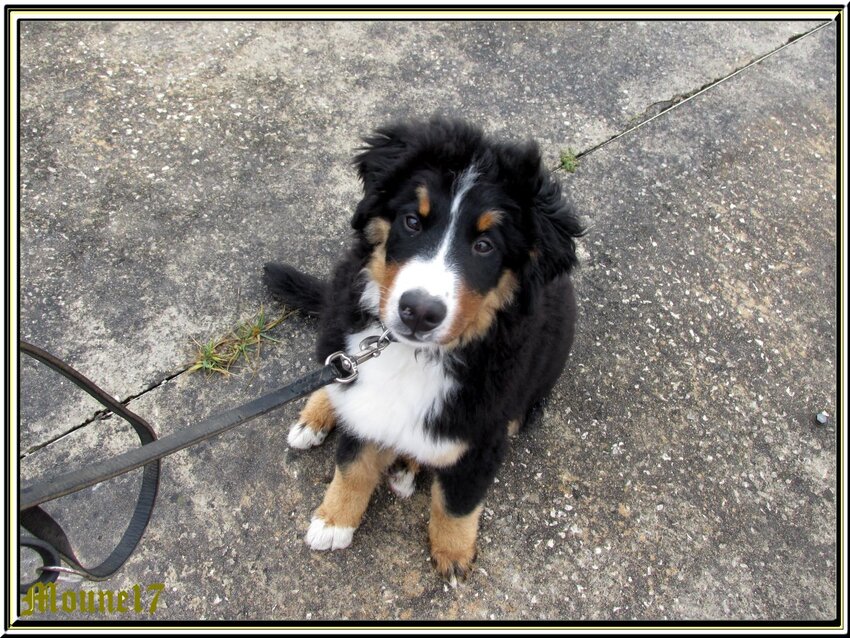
(482, 246)
(412, 223)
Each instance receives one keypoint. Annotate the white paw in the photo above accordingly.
(402, 483)
(303, 438)
(321, 536)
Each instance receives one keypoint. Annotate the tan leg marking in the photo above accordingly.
(351, 488)
(452, 538)
(318, 413)
(316, 420)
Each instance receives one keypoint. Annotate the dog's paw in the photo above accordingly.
(321, 536)
(451, 567)
(303, 437)
(402, 482)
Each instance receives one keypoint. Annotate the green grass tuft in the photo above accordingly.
(218, 355)
(569, 160)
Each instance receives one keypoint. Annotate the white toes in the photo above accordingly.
(322, 537)
(302, 437)
(401, 483)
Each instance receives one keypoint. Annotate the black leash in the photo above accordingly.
(50, 540)
(65, 484)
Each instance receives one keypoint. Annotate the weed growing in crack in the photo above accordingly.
(569, 160)
(218, 355)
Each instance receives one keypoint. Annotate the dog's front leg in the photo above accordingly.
(452, 536)
(456, 497)
(316, 420)
(358, 470)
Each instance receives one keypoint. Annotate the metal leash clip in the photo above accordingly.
(370, 348)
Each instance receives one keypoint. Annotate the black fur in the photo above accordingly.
(295, 288)
(509, 369)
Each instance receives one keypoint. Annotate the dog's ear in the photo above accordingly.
(549, 221)
(376, 162)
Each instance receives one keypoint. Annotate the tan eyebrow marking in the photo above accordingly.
(424, 201)
(489, 219)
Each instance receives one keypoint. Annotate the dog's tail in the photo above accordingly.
(295, 288)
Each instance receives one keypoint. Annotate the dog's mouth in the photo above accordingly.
(402, 334)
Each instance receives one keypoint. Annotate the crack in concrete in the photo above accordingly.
(657, 109)
(101, 415)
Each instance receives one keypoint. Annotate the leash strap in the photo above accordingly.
(48, 531)
(42, 525)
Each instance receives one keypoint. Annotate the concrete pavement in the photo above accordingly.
(676, 474)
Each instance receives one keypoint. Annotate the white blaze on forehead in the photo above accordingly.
(436, 276)
(464, 183)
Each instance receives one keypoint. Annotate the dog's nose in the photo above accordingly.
(420, 311)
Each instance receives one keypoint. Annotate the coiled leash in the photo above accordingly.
(49, 539)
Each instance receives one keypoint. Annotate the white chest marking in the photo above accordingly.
(393, 397)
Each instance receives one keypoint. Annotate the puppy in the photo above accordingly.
(462, 249)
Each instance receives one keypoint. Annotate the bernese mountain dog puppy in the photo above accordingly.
(462, 249)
